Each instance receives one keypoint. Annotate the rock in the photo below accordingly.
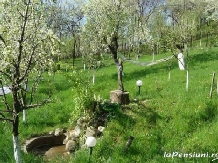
(101, 128)
(58, 131)
(90, 132)
(71, 134)
(71, 145)
(66, 140)
(51, 133)
(77, 131)
(82, 122)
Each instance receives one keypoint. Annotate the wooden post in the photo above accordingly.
(120, 73)
(212, 83)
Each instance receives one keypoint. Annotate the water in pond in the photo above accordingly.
(49, 151)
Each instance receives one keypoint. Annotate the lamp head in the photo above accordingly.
(139, 83)
(91, 141)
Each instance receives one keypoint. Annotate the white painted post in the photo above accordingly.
(93, 78)
(24, 110)
(86, 92)
(169, 75)
(187, 80)
(24, 115)
(16, 149)
(211, 87)
(84, 66)
(153, 56)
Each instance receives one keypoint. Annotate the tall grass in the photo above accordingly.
(166, 118)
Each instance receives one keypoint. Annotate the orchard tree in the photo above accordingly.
(65, 17)
(107, 22)
(27, 48)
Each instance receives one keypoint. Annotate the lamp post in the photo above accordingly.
(139, 84)
(90, 142)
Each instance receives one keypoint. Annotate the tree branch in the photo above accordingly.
(6, 74)
(6, 111)
(28, 64)
(2, 115)
(22, 35)
(38, 105)
(2, 39)
(6, 119)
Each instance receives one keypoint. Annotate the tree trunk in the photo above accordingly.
(191, 41)
(15, 138)
(74, 50)
(124, 51)
(16, 149)
(208, 33)
(157, 47)
(113, 46)
(200, 31)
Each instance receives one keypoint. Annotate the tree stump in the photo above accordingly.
(120, 97)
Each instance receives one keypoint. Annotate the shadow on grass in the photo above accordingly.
(203, 57)
(149, 114)
(139, 73)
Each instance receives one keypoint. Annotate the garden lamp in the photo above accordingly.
(90, 142)
(139, 84)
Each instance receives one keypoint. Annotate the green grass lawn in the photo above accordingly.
(166, 119)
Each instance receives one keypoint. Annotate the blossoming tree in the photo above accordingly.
(27, 48)
(109, 21)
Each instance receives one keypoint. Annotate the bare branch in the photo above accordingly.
(17, 66)
(39, 104)
(7, 111)
(30, 61)
(6, 119)
(34, 86)
(2, 115)
(2, 39)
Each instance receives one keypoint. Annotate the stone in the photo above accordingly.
(77, 131)
(82, 122)
(120, 97)
(66, 140)
(58, 131)
(71, 134)
(51, 132)
(71, 145)
(90, 132)
(101, 128)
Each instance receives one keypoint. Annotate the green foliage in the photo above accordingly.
(82, 94)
